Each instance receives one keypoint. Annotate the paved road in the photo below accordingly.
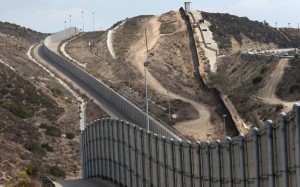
(85, 183)
(78, 83)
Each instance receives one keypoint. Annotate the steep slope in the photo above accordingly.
(235, 33)
(39, 127)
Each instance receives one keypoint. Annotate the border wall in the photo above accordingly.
(113, 97)
(130, 156)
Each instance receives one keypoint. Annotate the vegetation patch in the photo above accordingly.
(47, 147)
(18, 110)
(35, 148)
(70, 135)
(51, 130)
(57, 92)
(57, 171)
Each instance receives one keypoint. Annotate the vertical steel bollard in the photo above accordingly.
(98, 151)
(170, 162)
(269, 124)
(296, 110)
(242, 160)
(83, 163)
(148, 161)
(88, 151)
(219, 176)
(256, 156)
(229, 169)
(187, 163)
(102, 148)
(92, 158)
(134, 158)
(114, 155)
(178, 163)
(162, 161)
(122, 153)
(207, 181)
(283, 150)
(140, 158)
(197, 165)
(154, 153)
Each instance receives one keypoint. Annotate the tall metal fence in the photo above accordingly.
(130, 156)
(117, 100)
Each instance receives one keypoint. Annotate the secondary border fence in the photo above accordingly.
(114, 98)
(130, 156)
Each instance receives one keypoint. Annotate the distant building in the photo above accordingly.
(187, 6)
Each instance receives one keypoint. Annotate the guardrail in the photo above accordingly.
(130, 156)
(115, 98)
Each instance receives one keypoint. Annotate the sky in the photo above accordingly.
(49, 16)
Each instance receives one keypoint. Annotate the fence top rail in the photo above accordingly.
(245, 138)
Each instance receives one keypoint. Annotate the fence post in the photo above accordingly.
(207, 159)
(218, 150)
(297, 140)
(256, 156)
(269, 124)
(283, 150)
(148, 162)
(228, 150)
(242, 159)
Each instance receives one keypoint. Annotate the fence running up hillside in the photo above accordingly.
(129, 156)
(135, 113)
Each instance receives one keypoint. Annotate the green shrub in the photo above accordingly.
(256, 80)
(51, 130)
(32, 170)
(279, 107)
(47, 147)
(17, 109)
(70, 135)
(263, 70)
(57, 171)
(57, 92)
(35, 148)
(294, 88)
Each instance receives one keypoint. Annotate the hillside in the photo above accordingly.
(36, 114)
(171, 79)
(234, 33)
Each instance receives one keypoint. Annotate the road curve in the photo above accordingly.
(105, 104)
(267, 94)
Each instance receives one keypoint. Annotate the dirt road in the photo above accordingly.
(267, 94)
(196, 128)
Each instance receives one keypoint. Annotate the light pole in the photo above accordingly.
(70, 19)
(65, 24)
(146, 64)
(224, 116)
(93, 22)
(82, 22)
